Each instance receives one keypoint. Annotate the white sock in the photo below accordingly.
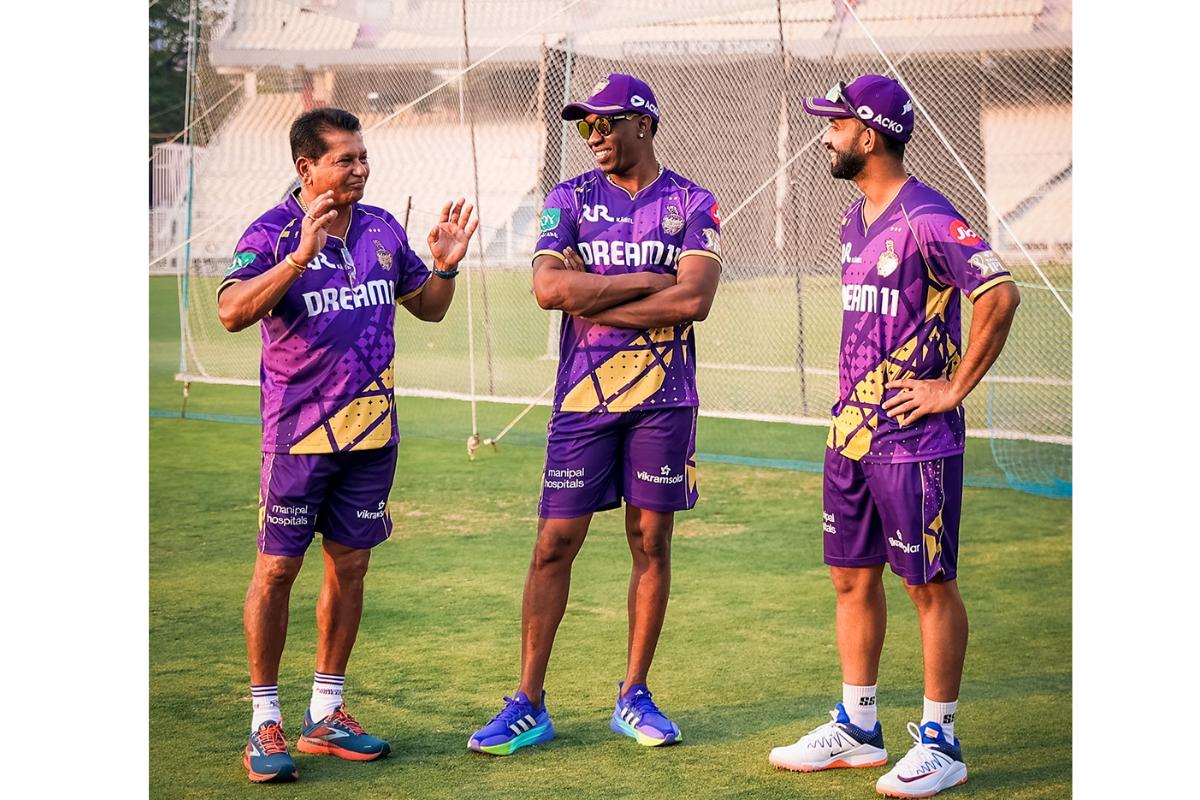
(942, 714)
(265, 702)
(859, 702)
(326, 694)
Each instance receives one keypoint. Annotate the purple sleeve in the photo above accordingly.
(702, 232)
(956, 254)
(558, 224)
(412, 272)
(253, 255)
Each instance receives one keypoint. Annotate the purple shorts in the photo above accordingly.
(341, 495)
(593, 460)
(905, 515)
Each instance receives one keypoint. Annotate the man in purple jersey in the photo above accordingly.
(630, 253)
(893, 467)
(322, 272)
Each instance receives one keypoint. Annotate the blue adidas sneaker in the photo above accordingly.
(518, 725)
(637, 717)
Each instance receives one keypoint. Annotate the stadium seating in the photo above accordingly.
(279, 25)
(1028, 162)
(247, 168)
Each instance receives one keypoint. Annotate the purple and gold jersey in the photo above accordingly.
(901, 319)
(329, 344)
(605, 369)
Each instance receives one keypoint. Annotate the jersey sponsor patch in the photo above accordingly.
(712, 240)
(240, 260)
(715, 213)
(987, 262)
(962, 234)
(549, 219)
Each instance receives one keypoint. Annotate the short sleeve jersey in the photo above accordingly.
(328, 346)
(901, 318)
(605, 369)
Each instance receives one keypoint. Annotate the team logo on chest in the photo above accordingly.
(672, 222)
(888, 260)
(385, 258)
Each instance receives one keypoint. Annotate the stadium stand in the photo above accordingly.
(279, 25)
(259, 166)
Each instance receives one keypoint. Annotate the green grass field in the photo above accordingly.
(747, 660)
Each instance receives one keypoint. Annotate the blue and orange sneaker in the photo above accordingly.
(638, 717)
(266, 756)
(517, 725)
(339, 734)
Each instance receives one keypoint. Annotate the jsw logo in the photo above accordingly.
(597, 213)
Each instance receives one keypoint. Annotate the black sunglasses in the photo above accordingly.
(602, 125)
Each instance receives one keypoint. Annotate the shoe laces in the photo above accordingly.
(342, 717)
(823, 735)
(513, 709)
(923, 757)
(272, 740)
(641, 704)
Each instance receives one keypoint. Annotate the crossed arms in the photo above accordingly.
(634, 300)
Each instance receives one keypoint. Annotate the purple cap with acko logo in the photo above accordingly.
(880, 102)
(615, 93)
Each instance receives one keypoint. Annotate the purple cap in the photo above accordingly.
(880, 102)
(617, 92)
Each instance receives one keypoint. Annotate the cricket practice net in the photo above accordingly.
(463, 98)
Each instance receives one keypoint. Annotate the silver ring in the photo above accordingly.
(310, 216)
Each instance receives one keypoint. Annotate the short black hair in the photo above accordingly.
(892, 146)
(307, 128)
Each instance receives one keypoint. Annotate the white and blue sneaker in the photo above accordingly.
(836, 744)
(933, 764)
(517, 725)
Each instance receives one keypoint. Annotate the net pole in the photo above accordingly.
(487, 322)
(554, 325)
(189, 92)
(785, 177)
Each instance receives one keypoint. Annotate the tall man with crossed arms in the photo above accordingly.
(893, 466)
(629, 252)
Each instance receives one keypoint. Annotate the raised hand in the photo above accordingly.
(449, 238)
(314, 229)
